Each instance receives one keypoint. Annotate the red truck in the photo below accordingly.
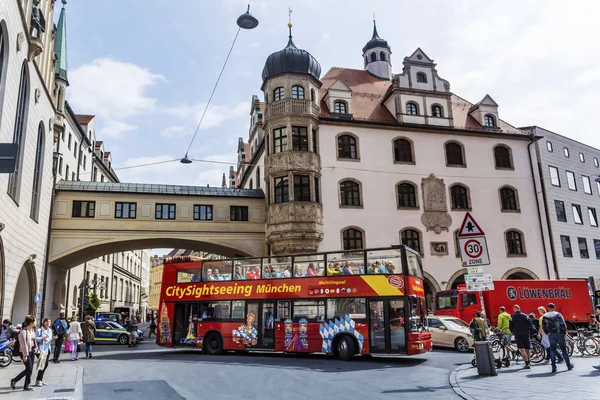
(573, 299)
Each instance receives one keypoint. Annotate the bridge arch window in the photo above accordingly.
(125, 210)
(165, 211)
(238, 213)
(84, 209)
(203, 212)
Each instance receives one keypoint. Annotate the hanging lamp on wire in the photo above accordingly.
(245, 21)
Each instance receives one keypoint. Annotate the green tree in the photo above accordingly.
(93, 304)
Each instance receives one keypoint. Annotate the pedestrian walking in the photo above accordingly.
(597, 323)
(27, 347)
(555, 327)
(522, 327)
(152, 328)
(133, 327)
(89, 335)
(75, 336)
(44, 337)
(59, 327)
(543, 337)
(6, 330)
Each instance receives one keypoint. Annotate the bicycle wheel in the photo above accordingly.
(538, 353)
(570, 347)
(497, 349)
(590, 346)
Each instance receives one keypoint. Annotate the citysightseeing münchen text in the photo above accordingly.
(197, 291)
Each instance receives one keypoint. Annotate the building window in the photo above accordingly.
(350, 194)
(577, 214)
(281, 189)
(279, 140)
(37, 173)
(514, 243)
(84, 162)
(566, 152)
(278, 94)
(587, 186)
(583, 249)
(503, 157)
(340, 107)
(317, 191)
(561, 214)
(238, 213)
(596, 162)
(508, 199)
(297, 92)
(70, 140)
(459, 196)
(593, 217)
(352, 239)
(165, 211)
(60, 165)
(571, 181)
(313, 98)
(258, 177)
(454, 154)
(299, 138)
(554, 178)
(411, 109)
(411, 238)
(565, 242)
(437, 111)
(403, 151)
(407, 195)
(19, 133)
(582, 157)
(67, 173)
(421, 77)
(1, 53)
(125, 210)
(315, 143)
(83, 209)
(382, 56)
(347, 147)
(203, 212)
(373, 57)
(549, 147)
(597, 248)
(301, 188)
(72, 176)
(489, 121)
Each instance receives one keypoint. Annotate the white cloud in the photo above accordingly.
(114, 129)
(254, 44)
(174, 131)
(215, 115)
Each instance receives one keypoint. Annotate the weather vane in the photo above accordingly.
(290, 17)
(373, 14)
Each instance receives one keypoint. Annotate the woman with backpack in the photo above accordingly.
(26, 347)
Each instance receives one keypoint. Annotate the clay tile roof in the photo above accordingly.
(368, 91)
(84, 119)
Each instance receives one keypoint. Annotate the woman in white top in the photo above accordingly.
(44, 338)
(75, 335)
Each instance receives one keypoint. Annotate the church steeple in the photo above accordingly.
(376, 54)
(60, 46)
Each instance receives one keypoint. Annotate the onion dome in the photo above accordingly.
(291, 60)
(376, 41)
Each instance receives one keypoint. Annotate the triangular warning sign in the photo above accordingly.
(469, 227)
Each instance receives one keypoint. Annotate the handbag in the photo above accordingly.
(68, 346)
(42, 360)
(80, 347)
(545, 341)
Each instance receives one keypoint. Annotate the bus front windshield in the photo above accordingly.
(414, 264)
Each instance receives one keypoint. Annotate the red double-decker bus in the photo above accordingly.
(362, 302)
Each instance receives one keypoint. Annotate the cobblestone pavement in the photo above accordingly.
(582, 383)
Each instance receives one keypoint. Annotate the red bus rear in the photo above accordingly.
(322, 302)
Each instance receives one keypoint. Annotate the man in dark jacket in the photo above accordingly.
(555, 327)
(521, 326)
(59, 327)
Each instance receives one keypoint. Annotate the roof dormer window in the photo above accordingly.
(421, 77)
(340, 107)
(489, 121)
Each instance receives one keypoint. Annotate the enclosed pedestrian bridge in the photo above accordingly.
(91, 219)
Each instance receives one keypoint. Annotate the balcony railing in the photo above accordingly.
(291, 106)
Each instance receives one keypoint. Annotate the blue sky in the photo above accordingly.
(146, 68)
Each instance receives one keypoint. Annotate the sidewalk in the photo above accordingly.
(514, 382)
(65, 381)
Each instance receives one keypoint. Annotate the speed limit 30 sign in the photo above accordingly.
(473, 251)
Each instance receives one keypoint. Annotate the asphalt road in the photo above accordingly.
(150, 372)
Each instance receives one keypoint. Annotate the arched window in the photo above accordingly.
(258, 177)
(1, 57)
(297, 92)
(74, 301)
(352, 239)
(403, 151)
(503, 157)
(37, 173)
(278, 93)
(454, 154)
(382, 56)
(251, 185)
(339, 107)
(312, 96)
(366, 60)
(459, 196)
(421, 77)
(509, 200)
(350, 194)
(489, 121)
(437, 111)
(373, 57)
(19, 133)
(514, 243)
(411, 109)
(347, 147)
(412, 239)
(407, 195)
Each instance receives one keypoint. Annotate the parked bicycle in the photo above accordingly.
(508, 352)
(583, 343)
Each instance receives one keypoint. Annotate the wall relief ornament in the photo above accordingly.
(20, 39)
(436, 217)
(38, 93)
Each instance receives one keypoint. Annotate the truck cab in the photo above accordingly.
(462, 305)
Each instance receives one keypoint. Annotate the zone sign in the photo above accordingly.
(473, 251)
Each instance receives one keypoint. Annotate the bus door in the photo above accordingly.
(264, 322)
(387, 331)
(184, 324)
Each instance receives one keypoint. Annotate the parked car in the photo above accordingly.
(450, 332)
(108, 331)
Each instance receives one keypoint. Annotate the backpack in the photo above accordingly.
(476, 329)
(553, 323)
(16, 350)
(59, 327)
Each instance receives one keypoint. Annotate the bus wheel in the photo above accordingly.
(345, 348)
(213, 344)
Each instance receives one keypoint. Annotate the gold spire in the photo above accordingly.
(373, 14)
(290, 17)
